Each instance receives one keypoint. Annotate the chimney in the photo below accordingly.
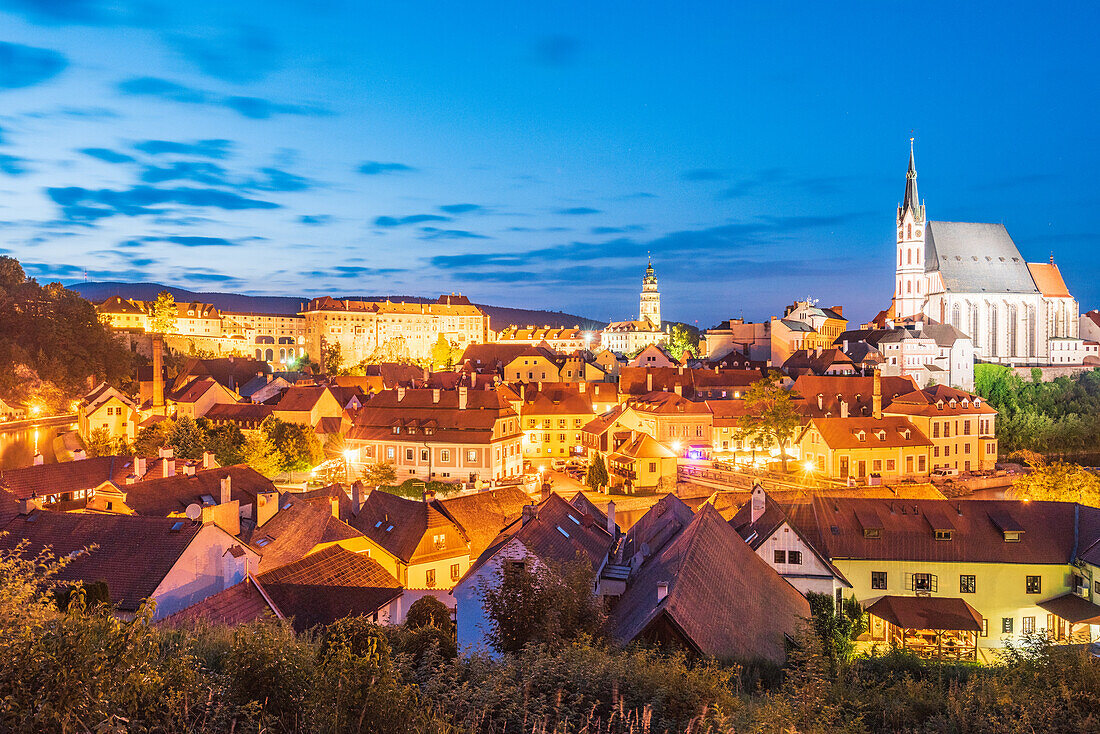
(140, 466)
(428, 495)
(757, 506)
(400, 394)
(334, 502)
(435, 395)
(207, 460)
(80, 454)
(168, 467)
(530, 512)
(189, 469)
(39, 459)
(427, 375)
(662, 590)
(356, 496)
(158, 373)
(463, 396)
(648, 381)
(226, 487)
(820, 401)
(267, 504)
(29, 505)
(679, 390)
(843, 408)
(165, 452)
(270, 376)
(611, 517)
(545, 494)
(876, 396)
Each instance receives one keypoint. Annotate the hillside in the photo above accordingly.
(499, 316)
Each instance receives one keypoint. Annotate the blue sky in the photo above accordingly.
(531, 154)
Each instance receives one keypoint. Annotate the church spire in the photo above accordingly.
(911, 201)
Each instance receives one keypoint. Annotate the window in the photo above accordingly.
(444, 455)
(942, 534)
(922, 582)
(1006, 625)
(439, 541)
(408, 454)
(652, 467)
(1034, 584)
(429, 578)
(985, 627)
(390, 452)
(968, 583)
(780, 556)
(795, 558)
(423, 454)
(878, 579)
(1028, 627)
(454, 572)
(471, 455)
(935, 429)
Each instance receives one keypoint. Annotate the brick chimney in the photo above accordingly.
(356, 497)
(158, 373)
(208, 460)
(530, 512)
(189, 469)
(140, 466)
(876, 396)
(463, 397)
(758, 503)
(662, 590)
(226, 488)
(839, 310)
(39, 459)
(611, 517)
(435, 395)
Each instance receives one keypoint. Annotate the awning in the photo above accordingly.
(927, 613)
(1073, 609)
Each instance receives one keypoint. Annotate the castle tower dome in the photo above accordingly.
(650, 307)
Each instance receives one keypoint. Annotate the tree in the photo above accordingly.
(427, 611)
(596, 476)
(295, 447)
(380, 475)
(164, 313)
(331, 358)
(100, 443)
(444, 353)
(837, 630)
(680, 338)
(1058, 482)
(542, 604)
(770, 415)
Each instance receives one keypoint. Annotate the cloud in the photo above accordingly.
(83, 12)
(1, 136)
(432, 233)
(213, 148)
(86, 205)
(186, 241)
(556, 50)
(579, 211)
(315, 219)
(239, 55)
(353, 271)
(704, 174)
(540, 229)
(203, 172)
(107, 155)
(13, 165)
(203, 276)
(460, 208)
(278, 180)
(375, 168)
(254, 108)
(617, 230)
(25, 66)
(410, 219)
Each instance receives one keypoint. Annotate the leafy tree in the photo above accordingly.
(1058, 482)
(682, 337)
(836, 630)
(427, 611)
(542, 604)
(331, 358)
(296, 447)
(444, 353)
(100, 443)
(227, 443)
(770, 415)
(380, 474)
(164, 313)
(596, 476)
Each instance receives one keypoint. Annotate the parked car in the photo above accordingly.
(945, 471)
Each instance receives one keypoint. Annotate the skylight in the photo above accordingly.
(575, 520)
(562, 531)
(176, 526)
(389, 528)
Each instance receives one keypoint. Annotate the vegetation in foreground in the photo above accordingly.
(83, 670)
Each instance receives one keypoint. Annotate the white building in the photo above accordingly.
(972, 276)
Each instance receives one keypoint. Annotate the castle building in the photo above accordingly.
(972, 276)
(629, 337)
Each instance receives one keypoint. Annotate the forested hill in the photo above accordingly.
(499, 316)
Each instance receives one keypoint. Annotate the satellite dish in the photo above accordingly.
(193, 511)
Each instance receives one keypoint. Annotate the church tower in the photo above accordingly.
(650, 309)
(910, 286)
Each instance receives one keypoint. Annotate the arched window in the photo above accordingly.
(908, 286)
(956, 314)
(918, 256)
(259, 354)
(270, 354)
(975, 334)
(900, 258)
(918, 286)
(908, 256)
(1013, 349)
(1032, 347)
(992, 330)
(909, 231)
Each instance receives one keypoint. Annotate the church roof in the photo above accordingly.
(1049, 280)
(976, 258)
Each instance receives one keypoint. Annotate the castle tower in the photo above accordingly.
(650, 309)
(910, 286)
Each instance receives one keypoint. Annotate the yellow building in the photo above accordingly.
(960, 425)
(641, 465)
(1012, 563)
(843, 448)
(680, 424)
(105, 408)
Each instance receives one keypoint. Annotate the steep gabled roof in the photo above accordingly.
(68, 476)
(722, 598)
(240, 603)
(482, 515)
(329, 585)
(163, 496)
(976, 258)
(133, 554)
(296, 529)
(395, 523)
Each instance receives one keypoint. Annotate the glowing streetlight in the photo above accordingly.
(808, 466)
(349, 455)
(676, 446)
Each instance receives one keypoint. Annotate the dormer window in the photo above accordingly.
(861, 436)
(966, 403)
(880, 434)
(977, 402)
(952, 403)
(396, 430)
(942, 534)
(939, 405)
(905, 433)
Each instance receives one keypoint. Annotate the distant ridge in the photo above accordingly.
(499, 316)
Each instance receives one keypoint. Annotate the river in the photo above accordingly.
(19, 444)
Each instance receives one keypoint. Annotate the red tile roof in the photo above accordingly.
(238, 604)
(484, 514)
(888, 431)
(68, 476)
(856, 390)
(299, 526)
(722, 598)
(329, 585)
(927, 613)
(166, 495)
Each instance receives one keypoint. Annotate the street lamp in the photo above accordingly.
(349, 454)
